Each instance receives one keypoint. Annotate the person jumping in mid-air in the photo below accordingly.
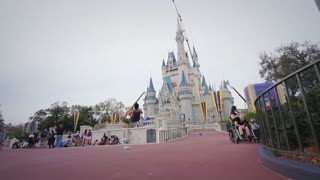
(135, 115)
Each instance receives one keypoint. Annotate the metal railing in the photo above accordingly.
(289, 114)
(168, 135)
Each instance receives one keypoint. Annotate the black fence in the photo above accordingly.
(289, 114)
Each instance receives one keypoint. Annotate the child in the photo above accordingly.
(255, 128)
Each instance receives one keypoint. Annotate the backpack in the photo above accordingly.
(135, 116)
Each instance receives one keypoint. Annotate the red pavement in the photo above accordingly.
(210, 157)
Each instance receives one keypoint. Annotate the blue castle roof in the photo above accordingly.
(203, 81)
(183, 80)
(206, 90)
(151, 88)
(163, 63)
(169, 83)
(171, 54)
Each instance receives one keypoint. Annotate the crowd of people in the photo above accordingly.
(54, 138)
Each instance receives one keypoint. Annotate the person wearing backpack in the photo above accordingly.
(135, 115)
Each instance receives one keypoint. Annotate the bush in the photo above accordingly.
(251, 115)
(226, 122)
(127, 121)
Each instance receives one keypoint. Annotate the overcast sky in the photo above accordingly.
(84, 52)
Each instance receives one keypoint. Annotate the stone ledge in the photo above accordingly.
(289, 168)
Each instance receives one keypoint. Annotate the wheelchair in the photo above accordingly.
(235, 137)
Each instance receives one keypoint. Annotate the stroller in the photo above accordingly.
(76, 140)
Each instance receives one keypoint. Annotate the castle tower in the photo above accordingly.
(195, 59)
(163, 68)
(185, 96)
(207, 98)
(150, 103)
(183, 59)
(228, 100)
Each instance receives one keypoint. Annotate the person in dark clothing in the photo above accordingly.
(51, 138)
(135, 115)
(234, 114)
(43, 140)
(59, 135)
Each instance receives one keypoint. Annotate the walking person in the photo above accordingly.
(59, 135)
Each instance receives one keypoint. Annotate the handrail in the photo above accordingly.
(283, 121)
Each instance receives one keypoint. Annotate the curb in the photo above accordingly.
(288, 168)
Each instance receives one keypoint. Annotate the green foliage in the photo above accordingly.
(89, 115)
(127, 121)
(227, 122)
(16, 132)
(288, 58)
(295, 120)
(251, 115)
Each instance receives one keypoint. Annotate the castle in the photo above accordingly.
(185, 90)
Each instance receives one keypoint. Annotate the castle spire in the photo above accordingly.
(181, 52)
(183, 80)
(195, 58)
(210, 89)
(206, 90)
(163, 63)
(203, 81)
(179, 28)
(194, 52)
(151, 88)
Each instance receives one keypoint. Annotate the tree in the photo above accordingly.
(287, 59)
(275, 67)
(86, 116)
(16, 132)
(56, 114)
(104, 110)
(40, 115)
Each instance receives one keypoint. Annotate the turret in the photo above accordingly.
(185, 96)
(195, 58)
(150, 100)
(163, 68)
(227, 99)
(181, 52)
(207, 98)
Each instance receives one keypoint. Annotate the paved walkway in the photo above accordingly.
(210, 157)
